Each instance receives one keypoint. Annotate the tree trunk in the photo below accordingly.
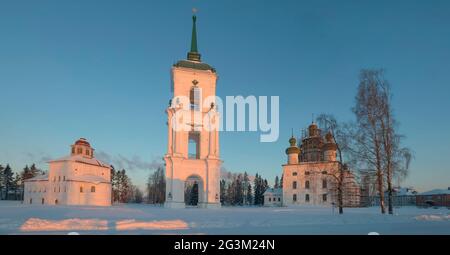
(389, 183)
(381, 191)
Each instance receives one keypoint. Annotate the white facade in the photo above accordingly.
(78, 179)
(193, 137)
(273, 197)
(311, 174)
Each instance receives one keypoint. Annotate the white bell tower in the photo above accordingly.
(193, 135)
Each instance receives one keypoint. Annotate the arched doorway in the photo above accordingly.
(193, 191)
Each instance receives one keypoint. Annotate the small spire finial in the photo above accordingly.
(193, 53)
(292, 132)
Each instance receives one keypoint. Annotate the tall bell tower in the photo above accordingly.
(193, 135)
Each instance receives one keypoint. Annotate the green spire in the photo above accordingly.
(193, 54)
(194, 35)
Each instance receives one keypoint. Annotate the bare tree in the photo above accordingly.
(396, 159)
(329, 123)
(368, 138)
(376, 144)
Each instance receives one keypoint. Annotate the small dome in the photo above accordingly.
(82, 141)
(313, 129)
(292, 141)
(293, 149)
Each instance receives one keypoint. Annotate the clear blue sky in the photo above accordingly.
(101, 70)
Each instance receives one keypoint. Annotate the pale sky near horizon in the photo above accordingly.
(101, 70)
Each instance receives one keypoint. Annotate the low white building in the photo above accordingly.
(77, 179)
(273, 197)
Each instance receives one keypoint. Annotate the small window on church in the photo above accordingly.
(307, 198)
(324, 183)
(59, 178)
(194, 145)
(92, 188)
(324, 197)
(88, 152)
(294, 185)
(270, 199)
(294, 174)
(294, 197)
(306, 184)
(81, 189)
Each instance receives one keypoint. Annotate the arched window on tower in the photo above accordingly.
(294, 185)
(92, 188)
(324, 183)
(194, 145)
(306, 184)
(194, 97)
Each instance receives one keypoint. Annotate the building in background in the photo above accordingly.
(436, 197)
(78, 179)
(273, 197)
(400, 197)
(309, 175)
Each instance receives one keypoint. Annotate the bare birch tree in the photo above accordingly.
(368, 138)
(329, 123)
(396, 159)
(376, 144)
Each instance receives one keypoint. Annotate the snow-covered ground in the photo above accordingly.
(16, 218)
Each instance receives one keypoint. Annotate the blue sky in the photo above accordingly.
(101, 70)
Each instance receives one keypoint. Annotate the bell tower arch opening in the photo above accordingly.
(193, 191)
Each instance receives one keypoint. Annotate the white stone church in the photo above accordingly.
(311, 172)
(77, 179)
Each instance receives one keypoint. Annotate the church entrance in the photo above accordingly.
(193, 191)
